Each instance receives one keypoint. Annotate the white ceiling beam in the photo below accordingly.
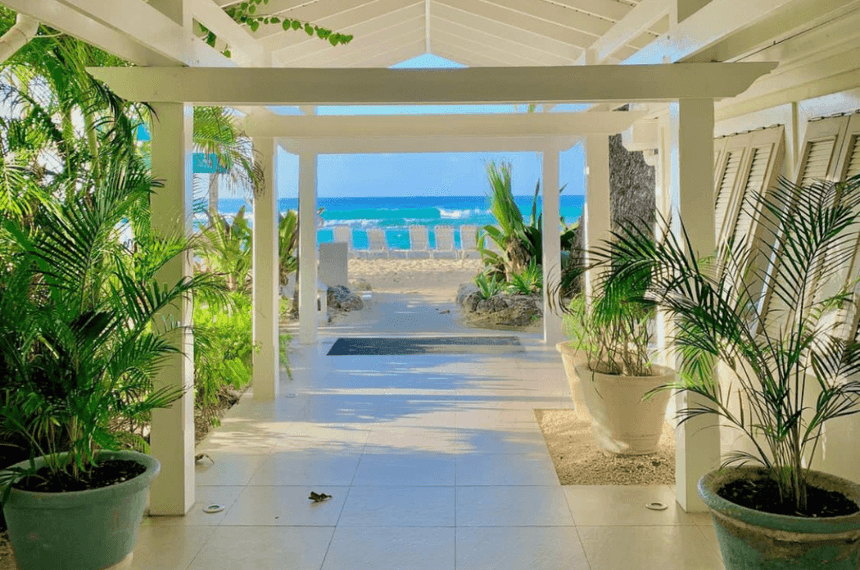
(792, 20)
(244, 49)
(637, 21)
(513, 33)
(351, 21)
(283, 86)
(712, 23)
(505, 44)
(153, 30)
(608, 9)
(520, 20)
(68, 20)
(442, 126)
(464, 57)
(459, 43)
(424, 145)
(407, 34)
(366, 33)
(557, 14)
(314, 12)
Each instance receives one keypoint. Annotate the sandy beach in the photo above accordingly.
(436, 279)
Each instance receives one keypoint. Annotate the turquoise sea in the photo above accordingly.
(396, 214)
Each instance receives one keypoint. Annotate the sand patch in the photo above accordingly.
(579, 461)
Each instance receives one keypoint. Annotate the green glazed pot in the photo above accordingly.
(754, 540)
(79, 530)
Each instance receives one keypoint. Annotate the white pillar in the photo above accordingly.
(597, 215)
(697, 441)
(307, 248)
(172, 429)
(551, 237)
(663, 202)
(266, 294)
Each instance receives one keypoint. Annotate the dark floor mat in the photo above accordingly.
(426, 345)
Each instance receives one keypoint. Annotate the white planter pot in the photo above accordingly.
(623, 421)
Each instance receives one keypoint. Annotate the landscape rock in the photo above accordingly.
(500, 310)
(360, 285)
(342, 299)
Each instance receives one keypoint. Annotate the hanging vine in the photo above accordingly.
(246, 13)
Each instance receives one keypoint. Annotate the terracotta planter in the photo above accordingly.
(753, 540)
(80, 530)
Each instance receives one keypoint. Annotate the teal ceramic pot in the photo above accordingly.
(753, 540)
(80, 530)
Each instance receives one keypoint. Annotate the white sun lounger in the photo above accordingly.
(377, 245)
(444, 241)
(344, 234)
(468, 240)
(419, 242)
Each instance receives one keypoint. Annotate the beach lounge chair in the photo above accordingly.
(419, 242)
(468, 240)
(444, 241)
(377, 246)
(344, 234)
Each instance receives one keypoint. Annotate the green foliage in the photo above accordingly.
(225, 247)
(248, 14)
(288, 239)
(85, 325)
(488, 285)
(529, 282)
(223, 348)
(781, 343)
(519, 243)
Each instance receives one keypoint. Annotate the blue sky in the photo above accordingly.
(429, 174)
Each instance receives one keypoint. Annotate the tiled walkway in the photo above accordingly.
(433, 462)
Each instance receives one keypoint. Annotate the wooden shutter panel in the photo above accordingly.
(853, 158)
(728, 179)
(820, 150)
(756, 180)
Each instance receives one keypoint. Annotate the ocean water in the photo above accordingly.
(396, 214)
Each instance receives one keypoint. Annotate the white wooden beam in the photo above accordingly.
(153, 29)
(353, 21)
(309, 127)
(313, 12)
(638, 20)
(492, 56)
(245, 50)
(716, 20)
(517, 19)
(607, 9)
(554, 13)
(247, 86)
(513, 33)
(501, 41)
(389, 57)
(427, 145)
(70, 21)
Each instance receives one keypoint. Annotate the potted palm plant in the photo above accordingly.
(609, 367)
(787, 367)
(80, 343)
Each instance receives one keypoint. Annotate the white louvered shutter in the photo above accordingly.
(755, 185)
(853, 159)
(817, 164)
(728, 178)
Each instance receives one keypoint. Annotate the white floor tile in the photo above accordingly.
(662, 547)
(505, 469)
(413, 469)
(399, 506)
(286, 506)
(519, 548)
(264, 548)
(600, 505)
(512, 506)
(357, 548)
(168, 547)
(314, 467)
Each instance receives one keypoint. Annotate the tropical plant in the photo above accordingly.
(777, 343)
(528, 282)
(288, 240)
(83, 333)
(223, 348)
(225, 247)
(488, 285)
(519, 243)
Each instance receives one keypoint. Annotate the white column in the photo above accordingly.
(551, 236)
(597, 214)
(307, 248)
(663, 202)
(266, 294)
(172, 429)
(697, 442)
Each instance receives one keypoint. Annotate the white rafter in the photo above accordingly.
(245, 49)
